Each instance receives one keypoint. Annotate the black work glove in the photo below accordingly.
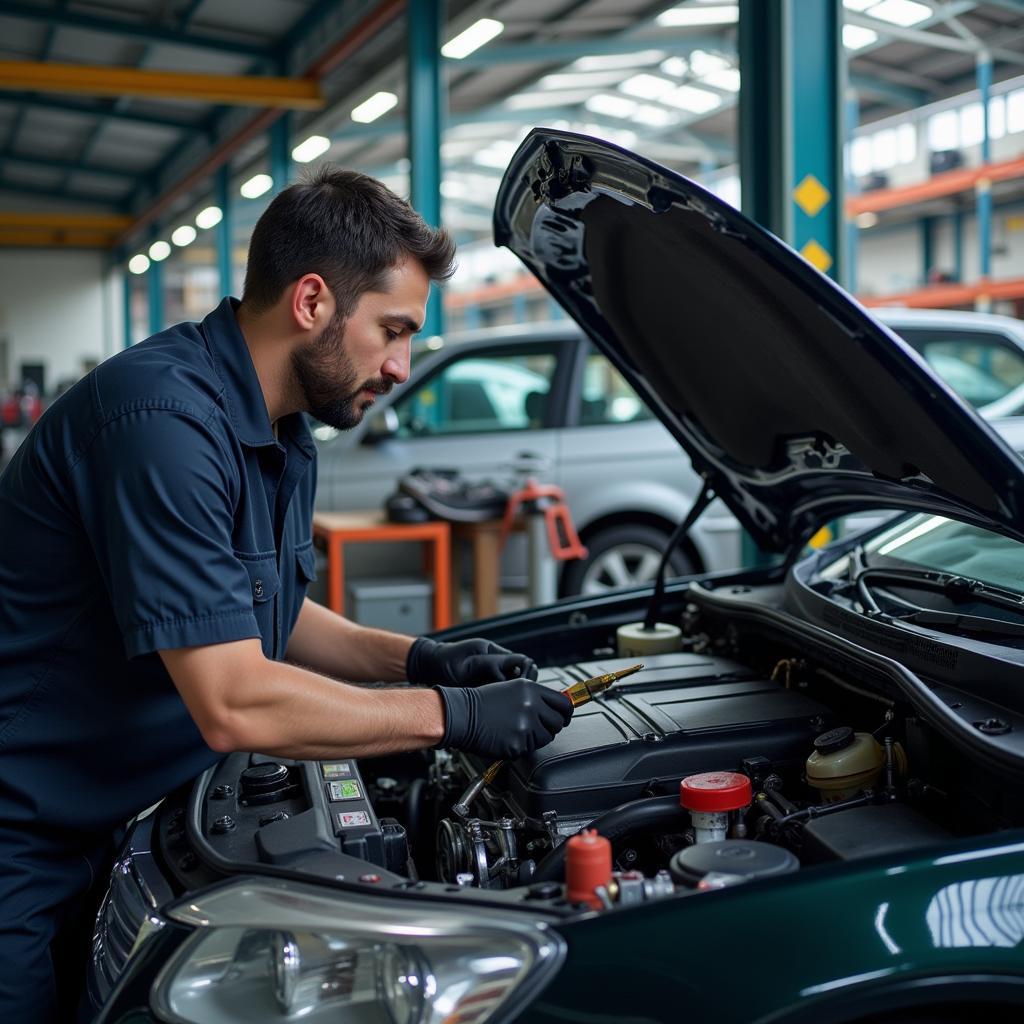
(466, 663)
(503, 720)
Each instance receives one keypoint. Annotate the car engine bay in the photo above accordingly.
(740, 756)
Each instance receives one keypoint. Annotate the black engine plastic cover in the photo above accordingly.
(683, 714)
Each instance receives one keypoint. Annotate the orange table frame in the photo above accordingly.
(336, 529)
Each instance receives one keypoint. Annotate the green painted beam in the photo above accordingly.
(280, 152)
(425, 120)
(69, 166)
(222, 198)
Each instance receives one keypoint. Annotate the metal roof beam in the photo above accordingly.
(240, 90)
(932, 39)
(896, 94)
(66, 105)
(6, 185)
(128, 29)
(70, 166)
(109, 222)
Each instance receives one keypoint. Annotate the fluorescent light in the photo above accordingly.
(620, 61)
(702, 63)
(497, 154)
(858, 5)
(675, 66)
(256, 186)
(725, 14)
(529, 100)
(654, 117)
(313, 147)
(647, 87)
(866, 219)
(900, 12)
(855, 37)
(184, 235)
(139, 264)
(209, 217)
(692, 99)
(379, 103)
(613, 106)
(620, 136)
(465, 43)
(159, 250)
(451, 189)
(728, 79)
(578, 80)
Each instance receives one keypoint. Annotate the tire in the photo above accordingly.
(622, 556)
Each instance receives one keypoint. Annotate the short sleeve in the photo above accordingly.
(155, 492)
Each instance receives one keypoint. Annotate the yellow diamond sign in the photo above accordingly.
(811, 195)
(817, 256)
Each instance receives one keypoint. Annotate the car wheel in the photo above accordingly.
(622, 556)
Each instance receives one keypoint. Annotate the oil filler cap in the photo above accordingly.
(833, 740)
(731, 861)
(715, 792)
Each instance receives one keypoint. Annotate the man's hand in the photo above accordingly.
(466, 663)
(502, 720)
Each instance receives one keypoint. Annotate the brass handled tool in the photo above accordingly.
(579, 693)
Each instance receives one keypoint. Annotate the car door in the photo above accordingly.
(475, 411)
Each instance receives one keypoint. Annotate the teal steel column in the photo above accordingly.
(958, 244)
(155, 281)
(424, 120)
(983, 189)
(927, 248)
(280, 152)
(813, 99)
(126, 298)
(222, 197)
(851, 116)
(790, 134)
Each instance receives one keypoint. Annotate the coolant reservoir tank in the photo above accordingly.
(844, 762)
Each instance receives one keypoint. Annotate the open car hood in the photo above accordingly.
(790, 399)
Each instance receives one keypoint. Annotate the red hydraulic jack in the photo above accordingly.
(551, 536)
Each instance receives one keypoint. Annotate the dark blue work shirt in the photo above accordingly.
(151, 508)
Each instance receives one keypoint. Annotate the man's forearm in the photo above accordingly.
(333, 645)
(292, 712)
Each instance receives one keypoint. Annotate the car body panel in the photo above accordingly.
(797, 405)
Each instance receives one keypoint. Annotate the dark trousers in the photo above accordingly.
(49, 893)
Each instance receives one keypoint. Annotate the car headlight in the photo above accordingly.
(270, 950)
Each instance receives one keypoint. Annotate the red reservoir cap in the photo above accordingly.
(588, 864)
(715, 792)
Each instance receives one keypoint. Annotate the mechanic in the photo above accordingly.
(156, 532)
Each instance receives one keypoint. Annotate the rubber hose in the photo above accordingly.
(636, 816)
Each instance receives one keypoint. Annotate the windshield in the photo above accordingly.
(934, 542)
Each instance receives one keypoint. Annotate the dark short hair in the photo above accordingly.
(348, 228)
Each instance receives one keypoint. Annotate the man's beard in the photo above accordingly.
(328, 382)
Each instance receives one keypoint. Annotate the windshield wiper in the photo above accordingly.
(956, 588)
(959, 623)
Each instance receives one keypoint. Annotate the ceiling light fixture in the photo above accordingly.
(479, 33)
(725, 14)
(900, 12)
(855, 37)
(310, 149)
(159, 250)
(185, 235)
(256, 186)
(369, 110)
(209, 217)
(139, 263)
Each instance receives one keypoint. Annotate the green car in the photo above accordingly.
(808, 804)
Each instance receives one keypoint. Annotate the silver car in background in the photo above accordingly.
(539, 396)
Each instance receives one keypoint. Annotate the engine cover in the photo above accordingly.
(683, 714)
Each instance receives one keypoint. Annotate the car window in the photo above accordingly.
(480, 393)
(606, 397)
(981, 366)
